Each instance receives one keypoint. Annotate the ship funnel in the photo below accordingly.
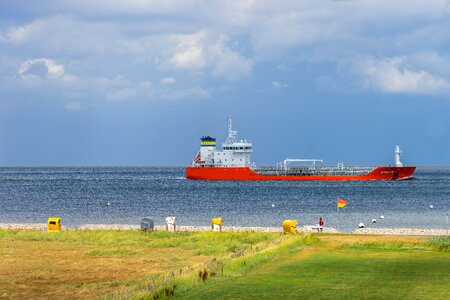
(398, 153)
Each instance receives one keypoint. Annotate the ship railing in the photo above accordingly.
(203, 165)
(302, 170)
(214, 165)
(308, 171)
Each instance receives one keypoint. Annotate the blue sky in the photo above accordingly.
(136, 82)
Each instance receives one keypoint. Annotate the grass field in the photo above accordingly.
(90, 264)
(206, 265)
(343, 267)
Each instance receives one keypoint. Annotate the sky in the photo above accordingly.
(136, 82)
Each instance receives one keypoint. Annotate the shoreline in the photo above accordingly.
(363, 231)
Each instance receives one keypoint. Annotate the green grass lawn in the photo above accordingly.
(337, 270)
(208, 265)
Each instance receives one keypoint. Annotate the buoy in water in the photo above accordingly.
(374, 220)
(273, 205)
(361, 225)
(431, 206)
(381, 217)
(108, 204)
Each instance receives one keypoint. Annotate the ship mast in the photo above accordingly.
(232, 134)
(398, 153)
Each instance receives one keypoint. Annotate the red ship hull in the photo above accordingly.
(245, 173)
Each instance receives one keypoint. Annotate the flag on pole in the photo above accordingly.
(341, 203)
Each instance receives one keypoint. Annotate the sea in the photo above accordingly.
(125, 195)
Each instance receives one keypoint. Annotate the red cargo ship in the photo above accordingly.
(233, 163)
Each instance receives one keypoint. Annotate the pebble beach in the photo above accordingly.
(366, 231)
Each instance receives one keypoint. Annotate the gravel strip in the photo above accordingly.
(380, 231)
(400, 231)
(108, 227)
(43, 227)
(39, 226)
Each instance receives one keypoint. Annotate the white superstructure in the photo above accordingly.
(234, 153)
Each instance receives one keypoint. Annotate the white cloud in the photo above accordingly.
(229, 64)
(225, 39)
(431, 60)
(279, 85)
(168, 80)
(52, 69)
(190, 58)
(202, 50)
(189, 51)
(340, 28)
(272, 27)
(51, 77)
(33, 73)
(394, 75)
(189, 93)
(64, 36)
(18, 35)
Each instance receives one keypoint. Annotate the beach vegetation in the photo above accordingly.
(440, 243)
(388, 245)
(436, 243)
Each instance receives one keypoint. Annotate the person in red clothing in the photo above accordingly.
(321, 224)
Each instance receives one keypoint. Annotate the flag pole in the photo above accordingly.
(337, 207)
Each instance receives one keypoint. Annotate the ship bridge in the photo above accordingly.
(235, 153)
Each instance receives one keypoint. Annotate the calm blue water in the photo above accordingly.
(80, 196)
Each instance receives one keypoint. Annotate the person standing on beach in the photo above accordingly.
(320, 224)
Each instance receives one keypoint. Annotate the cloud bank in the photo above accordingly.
(393, 75)
(115, 49)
